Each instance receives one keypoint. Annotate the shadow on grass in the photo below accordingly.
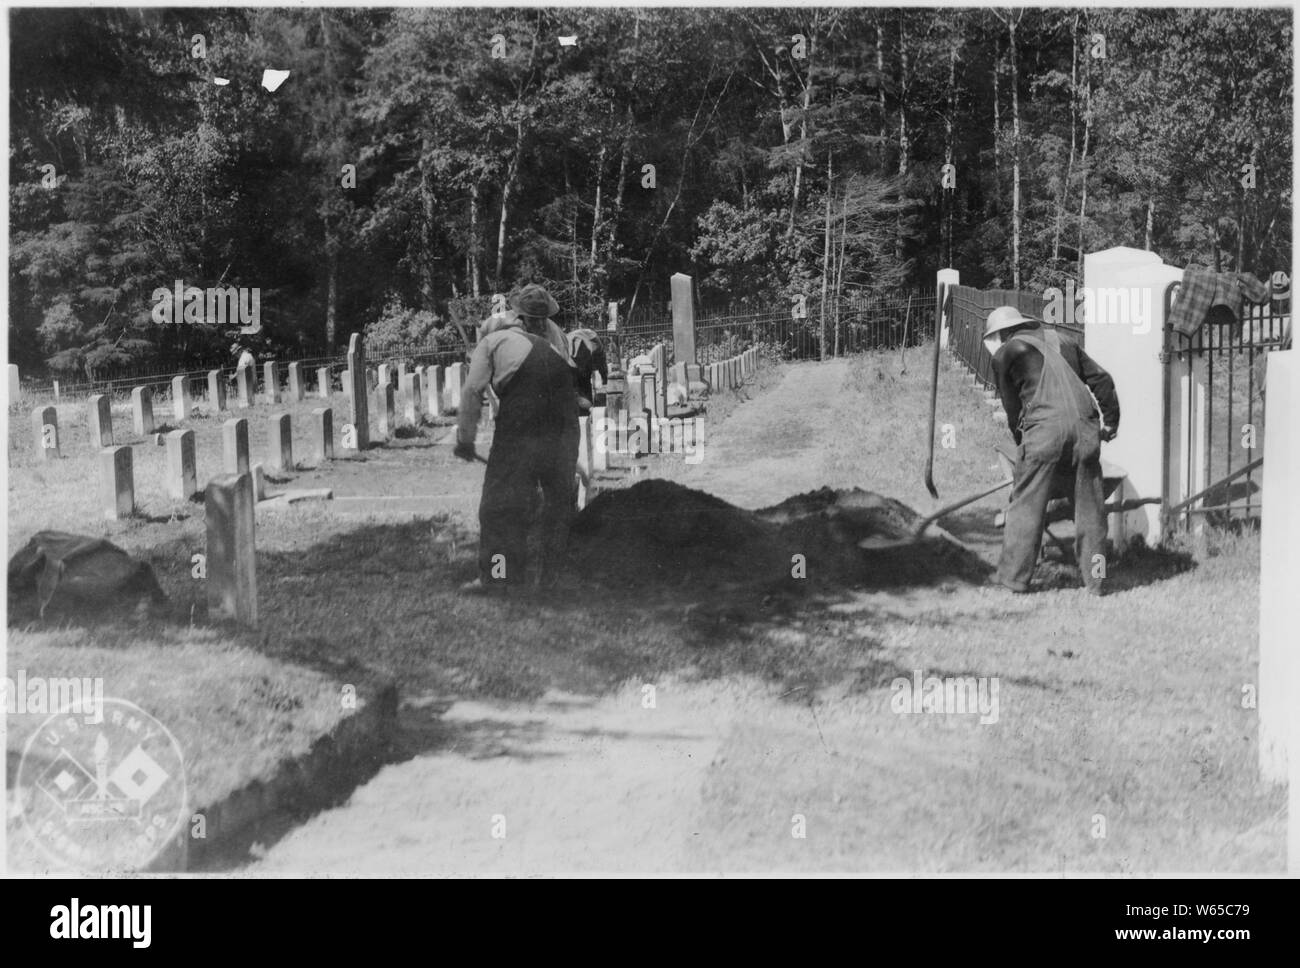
(383, 598)
(1137, 567)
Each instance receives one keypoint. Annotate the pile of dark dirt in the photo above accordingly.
(658, 533)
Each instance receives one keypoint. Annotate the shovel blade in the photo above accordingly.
(879, 542)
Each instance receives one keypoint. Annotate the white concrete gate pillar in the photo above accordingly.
(1279, 591)
(945, 279)
(1122, 302)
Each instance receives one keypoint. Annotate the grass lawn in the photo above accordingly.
(1126, 708)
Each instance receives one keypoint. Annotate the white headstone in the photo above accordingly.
(142, 411)
(182, 478)
(180, 399)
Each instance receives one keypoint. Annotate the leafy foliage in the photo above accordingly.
(419, 159)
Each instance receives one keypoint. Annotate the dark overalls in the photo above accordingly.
(1060, 452)
(534, 444)
(588, 359)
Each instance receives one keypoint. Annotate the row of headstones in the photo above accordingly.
(117, 466)
(732, 373)
(230, 513)
(230, 500)
(608, 440)
(443, 396)
(645, 392)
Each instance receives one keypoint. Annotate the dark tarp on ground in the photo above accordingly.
(76, 571)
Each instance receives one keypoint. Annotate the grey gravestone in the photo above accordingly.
(116, 482)
(142, 411)
(180, 398)
(232, 564)
(45, 425)
(182, 479)
(271, 382)
(101, 421)
(323, 433)
(280, 443)
(295, 383)
(234, 446)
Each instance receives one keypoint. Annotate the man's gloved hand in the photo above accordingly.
(1107, 433)
(465, 451)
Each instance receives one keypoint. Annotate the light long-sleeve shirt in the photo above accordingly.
(497, 357)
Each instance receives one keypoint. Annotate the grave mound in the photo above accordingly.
(661, 533)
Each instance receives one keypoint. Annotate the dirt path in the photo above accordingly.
(583, 784)
(800, 762)
(566, 784)
(775, 445)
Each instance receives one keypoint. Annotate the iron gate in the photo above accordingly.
(1214, 385)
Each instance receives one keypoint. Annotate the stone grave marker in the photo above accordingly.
(45, 426)
(234, 446)
(230, 515)
(182, 478)
(142, 411)
(116, 482)
(101, 420)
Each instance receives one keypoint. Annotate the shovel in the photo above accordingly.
(879, 543)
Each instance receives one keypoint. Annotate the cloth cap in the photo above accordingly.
(533, 300)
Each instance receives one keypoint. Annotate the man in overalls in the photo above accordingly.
(1060, 406)
(534, 443)
(588, 355)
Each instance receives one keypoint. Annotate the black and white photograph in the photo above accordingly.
(609, 441)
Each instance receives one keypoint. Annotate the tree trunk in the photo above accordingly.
(573, 233)
(475, 255)
(622, 164)
(826, 253)
(331, 294)
(1151, 211)
(997, 123)
(903, 61)
(803, 140)
(595, 217)
(1242, 218)
(880, 92)
(1063, 198)
(622, 184)
(839, 267)
(1083, 156)
(428, 208)
(1015, 159)
(903, 144)
(949, 197)
(506, 191)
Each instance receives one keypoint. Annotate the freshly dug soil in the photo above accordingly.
(659, 533)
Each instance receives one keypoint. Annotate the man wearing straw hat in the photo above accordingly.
(1060, 406)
